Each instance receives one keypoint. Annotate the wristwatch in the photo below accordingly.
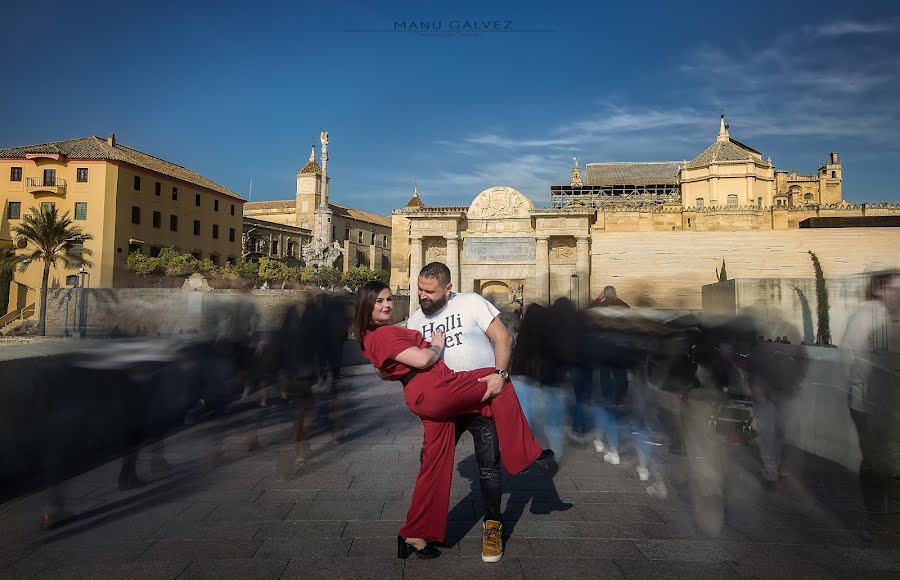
(503, 374)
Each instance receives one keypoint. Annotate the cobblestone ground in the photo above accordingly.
(223, 511)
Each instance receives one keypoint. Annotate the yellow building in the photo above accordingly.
(726, 174)
(129, 201)
(364, 236)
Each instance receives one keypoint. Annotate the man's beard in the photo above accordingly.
(429, 307)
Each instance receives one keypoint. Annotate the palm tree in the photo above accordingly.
(51, 238)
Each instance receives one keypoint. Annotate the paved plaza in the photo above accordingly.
(224, 511)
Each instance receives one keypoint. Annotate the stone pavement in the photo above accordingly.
(222, 511)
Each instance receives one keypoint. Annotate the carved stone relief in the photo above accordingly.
(562, 250)
(435, 250)
(500, 202)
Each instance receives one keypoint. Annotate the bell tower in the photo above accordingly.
(309, 186)
(830, 180)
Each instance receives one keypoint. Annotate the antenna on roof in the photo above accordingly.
(250, 195)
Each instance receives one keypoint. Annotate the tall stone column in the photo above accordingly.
(453, 260)
(374, 254)
(415, 264)
(347, 259)
(583, 268)
(542, 269)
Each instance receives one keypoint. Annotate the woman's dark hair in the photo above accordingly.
(365, 303)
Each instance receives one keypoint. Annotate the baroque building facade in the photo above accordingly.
(364, 237)
(656, 231)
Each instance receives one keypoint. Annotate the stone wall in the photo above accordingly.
(168, 311)
(157, 311)
(668, 269)
(723, 219)
(787, 306)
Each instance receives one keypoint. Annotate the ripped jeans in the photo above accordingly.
(487, 453)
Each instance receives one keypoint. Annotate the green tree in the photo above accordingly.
(823, 335)
(51, 238)
(358, 276)
(273, 270)
(206, 267)
(329, 277)
(142, 265)
(325, 277)
(721, 274)
(249, 270)
(174, 264)
(245, 270)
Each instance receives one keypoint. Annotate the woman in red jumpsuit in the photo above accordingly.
(437, 396)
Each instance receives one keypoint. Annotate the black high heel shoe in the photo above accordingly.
(404, 550)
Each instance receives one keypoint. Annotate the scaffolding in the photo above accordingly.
(599, 196)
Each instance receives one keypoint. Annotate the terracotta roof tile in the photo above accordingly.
(723, 152)
(274, 204)
(629, 173)
(360, 215)
(311, 167)
(100, 149)
(415, 201)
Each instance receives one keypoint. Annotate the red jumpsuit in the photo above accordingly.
(437, 396)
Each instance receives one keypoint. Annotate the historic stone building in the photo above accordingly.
(364, 237)
(274, 240)
(127, 200)
(657, 231)
(726, 174)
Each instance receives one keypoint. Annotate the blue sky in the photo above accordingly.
(240, 93)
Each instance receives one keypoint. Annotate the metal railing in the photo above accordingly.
(19, 314)
(58, 182)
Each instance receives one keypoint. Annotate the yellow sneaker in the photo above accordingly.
(492, 541)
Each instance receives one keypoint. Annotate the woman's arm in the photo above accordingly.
(422, 358)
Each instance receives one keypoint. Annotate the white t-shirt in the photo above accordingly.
(464, 318)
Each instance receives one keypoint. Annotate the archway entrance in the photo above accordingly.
(506, 295)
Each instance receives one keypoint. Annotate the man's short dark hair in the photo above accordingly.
(436, 270)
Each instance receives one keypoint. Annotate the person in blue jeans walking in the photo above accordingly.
(538, 377)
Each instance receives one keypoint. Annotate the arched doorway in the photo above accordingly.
(497, 292)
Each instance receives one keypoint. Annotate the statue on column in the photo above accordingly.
(323, 137)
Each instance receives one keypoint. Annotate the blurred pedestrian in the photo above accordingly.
(871, 330)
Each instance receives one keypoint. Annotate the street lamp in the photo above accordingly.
(66, 299)
(71, 280)
(85, 280)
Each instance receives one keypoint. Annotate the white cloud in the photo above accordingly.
(846, 27)
(814, 86)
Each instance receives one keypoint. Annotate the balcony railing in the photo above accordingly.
(56, 183)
